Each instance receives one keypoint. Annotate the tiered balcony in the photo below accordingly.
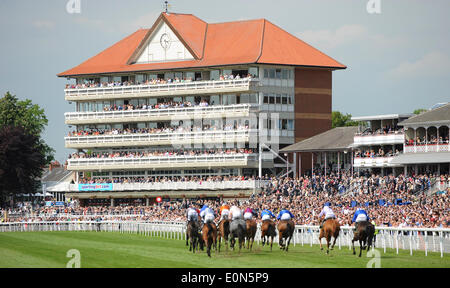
(162, 162)
(373, 162)
(427, 148)
(168, 186)
(168, 89)
(176, 138)
(369, 140)
(239, 110)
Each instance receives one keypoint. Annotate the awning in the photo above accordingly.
(422, 158)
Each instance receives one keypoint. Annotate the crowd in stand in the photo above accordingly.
(372, 154)
(389, 201)
(388, 129)
(163, 179)
(160, 153)
(162, 105)
(154, 81)
(431, 141)
(165, 129)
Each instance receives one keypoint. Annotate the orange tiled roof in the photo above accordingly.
(230, 43)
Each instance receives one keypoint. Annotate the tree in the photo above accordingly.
(21, 161)
(23, 153)
(27, 115)
(419, 111)
(340, 120)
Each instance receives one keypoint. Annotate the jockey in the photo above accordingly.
(360, 216)
(327, 212)
(224, 211)
(285, 215)
(266, 214)
(248, 214)
(208, 214)
(192, 214)
(235, 213)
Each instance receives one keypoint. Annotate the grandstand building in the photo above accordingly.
(187, 98)
(382, 144)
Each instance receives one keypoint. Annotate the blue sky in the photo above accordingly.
(397, 60)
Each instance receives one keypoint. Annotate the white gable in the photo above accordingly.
(154, 51)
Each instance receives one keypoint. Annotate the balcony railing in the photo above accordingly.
(171, 186)
(134, 91)
(379, 139)
(373, 162)
(223, 160)
(238, 110)
(176, 138)
(427, 148)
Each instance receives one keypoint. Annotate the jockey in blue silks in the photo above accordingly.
(285, 215)
(267, 215)
(360, 216)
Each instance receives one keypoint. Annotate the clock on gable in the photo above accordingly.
(165, 41)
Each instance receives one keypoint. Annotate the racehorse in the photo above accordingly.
(285, 230)
(251, 232)
(268, 230)
(209, 235)
(192, 235)
(330, 228)
(238, 229)
(224, 232)
(365, 234)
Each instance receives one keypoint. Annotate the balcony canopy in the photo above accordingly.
(337, 139)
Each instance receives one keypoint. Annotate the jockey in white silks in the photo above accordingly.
(235, 213)
(192, 214)
(327, 212)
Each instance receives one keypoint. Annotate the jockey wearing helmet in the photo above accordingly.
(192, 214)
(224, 211)
(327, 213)
(266, 214)
(235, 213)
(285, 215)
(360, 216)
(248, 214)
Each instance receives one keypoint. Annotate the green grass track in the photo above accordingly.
(109, 249)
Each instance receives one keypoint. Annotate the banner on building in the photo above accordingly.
(95, 187)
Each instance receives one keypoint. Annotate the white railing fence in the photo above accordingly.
(412, 239)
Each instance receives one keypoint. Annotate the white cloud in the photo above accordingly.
(43, 24)
(329, 39)
(431, 65)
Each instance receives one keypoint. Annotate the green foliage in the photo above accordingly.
(23, 153)
(31, 117)
(419, 111)
(340, 120)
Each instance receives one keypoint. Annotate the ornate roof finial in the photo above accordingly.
(166, 4)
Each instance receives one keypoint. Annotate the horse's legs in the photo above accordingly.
(251, 246)
(271, 242)
(287, 243)
(328, 244)
(320, 241)
(353, 246)
(360, 247)
(334, 243)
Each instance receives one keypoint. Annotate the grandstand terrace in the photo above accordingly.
(187, 85)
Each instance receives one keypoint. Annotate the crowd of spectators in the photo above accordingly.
(154, 81)
(386, 130)
(389, 201)
(370, 153)
(160, 153)
(165, 129)
(163, 179)
(433, 140)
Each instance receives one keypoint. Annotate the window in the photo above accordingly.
(272, 99)
(284, 74)
(266, 99)
(215, 75)
(278, 73)
(253, 71)
(284, 99)
(266, 73)
(278, 99)
(272, 73)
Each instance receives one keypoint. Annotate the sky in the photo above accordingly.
(398, 59)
